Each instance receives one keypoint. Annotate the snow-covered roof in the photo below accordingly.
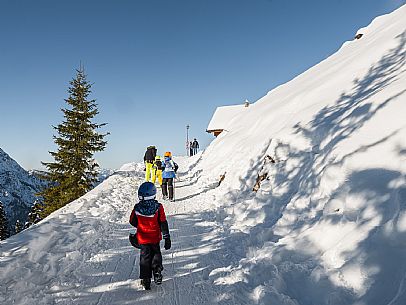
(223, 115)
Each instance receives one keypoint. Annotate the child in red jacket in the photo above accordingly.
(148, 216)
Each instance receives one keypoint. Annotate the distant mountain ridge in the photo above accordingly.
(17, 189)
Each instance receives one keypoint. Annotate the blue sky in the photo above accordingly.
(156, 65)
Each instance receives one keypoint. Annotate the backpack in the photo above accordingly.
(158, 165)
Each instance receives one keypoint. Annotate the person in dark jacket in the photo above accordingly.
(149, 158)
(195, 146)
(148, 216)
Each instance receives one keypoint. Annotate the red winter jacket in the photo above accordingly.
(148, 216)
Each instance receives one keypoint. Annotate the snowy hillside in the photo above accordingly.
(326, 226)
(17, 189)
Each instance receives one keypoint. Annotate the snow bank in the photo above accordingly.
(327, 225)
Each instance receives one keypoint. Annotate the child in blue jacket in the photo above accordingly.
(168, 174)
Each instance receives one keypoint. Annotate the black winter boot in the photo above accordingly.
(146, 283)
(157, 276)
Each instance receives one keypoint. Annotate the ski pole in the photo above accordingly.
(173, 189)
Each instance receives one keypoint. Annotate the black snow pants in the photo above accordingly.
(167, 185)
(150, 260)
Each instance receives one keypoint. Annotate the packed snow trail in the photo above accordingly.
(81, 254)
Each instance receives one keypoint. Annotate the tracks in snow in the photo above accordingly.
(81, 255)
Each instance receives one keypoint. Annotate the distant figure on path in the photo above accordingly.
(190, 148)
(149, 159)
(195, 146)
(157, 170)
(168, 174)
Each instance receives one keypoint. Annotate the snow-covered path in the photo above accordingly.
(81, 255)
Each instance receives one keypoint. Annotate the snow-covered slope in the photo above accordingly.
(17, 189)
(326, 226)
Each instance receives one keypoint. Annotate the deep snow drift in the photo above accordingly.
(326, 226)
(329, 224)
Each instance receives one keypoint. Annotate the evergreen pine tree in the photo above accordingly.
(34, 215)
(18, 227)
(74, 171)
(4, 232)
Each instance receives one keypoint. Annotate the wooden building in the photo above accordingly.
(223, 115)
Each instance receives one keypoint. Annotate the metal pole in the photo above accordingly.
(187, 140)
